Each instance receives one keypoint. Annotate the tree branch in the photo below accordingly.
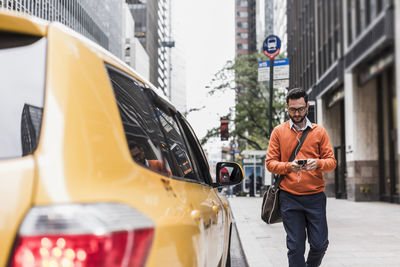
(253, 143)
(214, 132)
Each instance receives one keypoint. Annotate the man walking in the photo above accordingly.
(302, 197)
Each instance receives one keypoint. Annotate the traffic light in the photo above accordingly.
(223, 129)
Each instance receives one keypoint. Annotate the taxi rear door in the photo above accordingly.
(191, 167)
(219, 230)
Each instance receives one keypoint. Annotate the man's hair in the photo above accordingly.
(296, 93)
(135, 143)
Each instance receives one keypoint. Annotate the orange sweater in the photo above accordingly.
(316, 146)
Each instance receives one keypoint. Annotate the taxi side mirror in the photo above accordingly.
(228, 173)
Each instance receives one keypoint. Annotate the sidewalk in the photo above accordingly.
(361, 234)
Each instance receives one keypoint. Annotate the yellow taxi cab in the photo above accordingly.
(96, 167)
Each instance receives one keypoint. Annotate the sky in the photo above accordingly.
(208, 37)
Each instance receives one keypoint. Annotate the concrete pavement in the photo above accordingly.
(361, 234)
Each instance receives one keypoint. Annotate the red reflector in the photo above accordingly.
(125, 248)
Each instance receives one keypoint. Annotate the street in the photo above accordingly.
(362, 234)
(237, 255)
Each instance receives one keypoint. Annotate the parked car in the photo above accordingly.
(97, 168)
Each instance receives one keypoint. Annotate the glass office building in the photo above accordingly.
(343, 54)
(92, 19)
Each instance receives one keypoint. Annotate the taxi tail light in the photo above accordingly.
(83, 235)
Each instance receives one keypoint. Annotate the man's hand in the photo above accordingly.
(295, 167)
(311, 165)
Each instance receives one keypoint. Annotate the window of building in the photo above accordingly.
(349, 22)
(337, 29)
(242, 25)
(242, 3)
(367, 12)
(242, 14)
(142, 131)
(127, 51)
(358, 17)
(242, 35)
(379, 6)
(244, 46)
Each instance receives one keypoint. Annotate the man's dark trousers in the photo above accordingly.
(303, 215)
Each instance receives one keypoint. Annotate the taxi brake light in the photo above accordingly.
(105, 234)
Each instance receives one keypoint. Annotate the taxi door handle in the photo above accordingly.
(215, 208)
(196, 215)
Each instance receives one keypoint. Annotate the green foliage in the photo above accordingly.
(186, 113)
(210, 133)
(252, 104)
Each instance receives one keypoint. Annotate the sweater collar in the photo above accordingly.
(308, 124)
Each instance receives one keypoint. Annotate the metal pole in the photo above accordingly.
(271, 93)
(255, 172)
(271, 97)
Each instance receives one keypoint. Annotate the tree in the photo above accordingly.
(192, 110)
(250, 114)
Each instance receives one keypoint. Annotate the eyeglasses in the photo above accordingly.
(300, 110)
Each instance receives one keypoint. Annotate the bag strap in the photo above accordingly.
(295, 151)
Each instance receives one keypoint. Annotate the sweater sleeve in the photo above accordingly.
(327, 161)
(273, 161)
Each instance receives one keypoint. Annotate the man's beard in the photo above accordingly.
(298, 119)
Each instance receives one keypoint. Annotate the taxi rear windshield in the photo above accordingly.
(22, 76)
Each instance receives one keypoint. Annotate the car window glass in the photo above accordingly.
(22, 76)
(198, 153)
(181, 153)
(141, 128)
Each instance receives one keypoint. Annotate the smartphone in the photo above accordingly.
(302, 162)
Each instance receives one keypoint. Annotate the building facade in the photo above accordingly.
(107, 22)
(134, 53)
(280, 24)
(245, 27)
(269, 15)
(91, 19)
(138, 9)
(177, 69)
(343, 54)
(152, 27)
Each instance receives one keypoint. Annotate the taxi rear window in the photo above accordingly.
(22, 76)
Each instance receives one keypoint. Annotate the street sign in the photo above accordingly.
(281, 70)
(252, 161)
(272, 46)
(281, 83)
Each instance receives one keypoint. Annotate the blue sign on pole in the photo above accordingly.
(272, 46)
(277, 62)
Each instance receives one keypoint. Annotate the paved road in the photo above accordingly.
(237, 255)
(361, 234)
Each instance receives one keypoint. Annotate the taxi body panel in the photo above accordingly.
(17, 180)
(20, 23)
(81, 114)
(83, 157)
